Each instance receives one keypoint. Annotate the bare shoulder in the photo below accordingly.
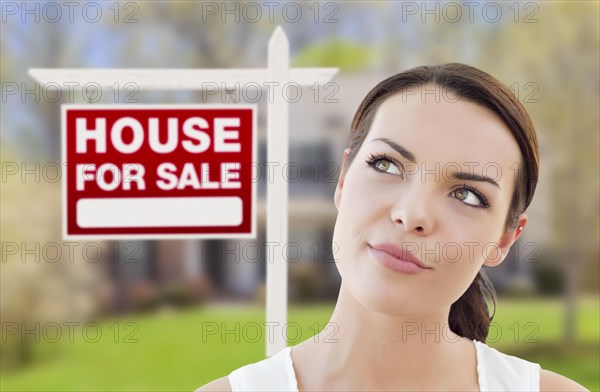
(218, 385)
(550, 381)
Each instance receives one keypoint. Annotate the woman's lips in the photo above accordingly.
(392, 257)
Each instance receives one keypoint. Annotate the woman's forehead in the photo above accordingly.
(445, 131)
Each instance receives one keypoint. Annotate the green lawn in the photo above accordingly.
(177, 351)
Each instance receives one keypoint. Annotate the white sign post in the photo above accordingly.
(275, 78)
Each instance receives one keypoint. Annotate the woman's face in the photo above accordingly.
(420, 207)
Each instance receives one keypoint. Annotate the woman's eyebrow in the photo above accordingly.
(474, 177)
(401, 150)
(456, 175)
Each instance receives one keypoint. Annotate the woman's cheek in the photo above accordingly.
(476, 247)
(342, 243)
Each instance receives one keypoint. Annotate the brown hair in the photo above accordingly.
(469, 315)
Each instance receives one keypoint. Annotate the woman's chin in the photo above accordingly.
(385, 297)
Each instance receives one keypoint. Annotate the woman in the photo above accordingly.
(442, 164)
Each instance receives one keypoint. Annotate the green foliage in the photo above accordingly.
(336, 52)
(167, 351)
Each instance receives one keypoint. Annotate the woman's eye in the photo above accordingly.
(470, 197)
(386, 166)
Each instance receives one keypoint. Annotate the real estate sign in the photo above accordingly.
(159, 171)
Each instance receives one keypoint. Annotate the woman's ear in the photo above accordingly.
(506, 242)
(340, 184)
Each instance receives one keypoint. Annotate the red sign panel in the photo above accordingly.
(159, 171)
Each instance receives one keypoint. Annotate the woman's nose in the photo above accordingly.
(411, 209)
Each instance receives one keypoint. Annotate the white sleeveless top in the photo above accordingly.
(496, 372)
